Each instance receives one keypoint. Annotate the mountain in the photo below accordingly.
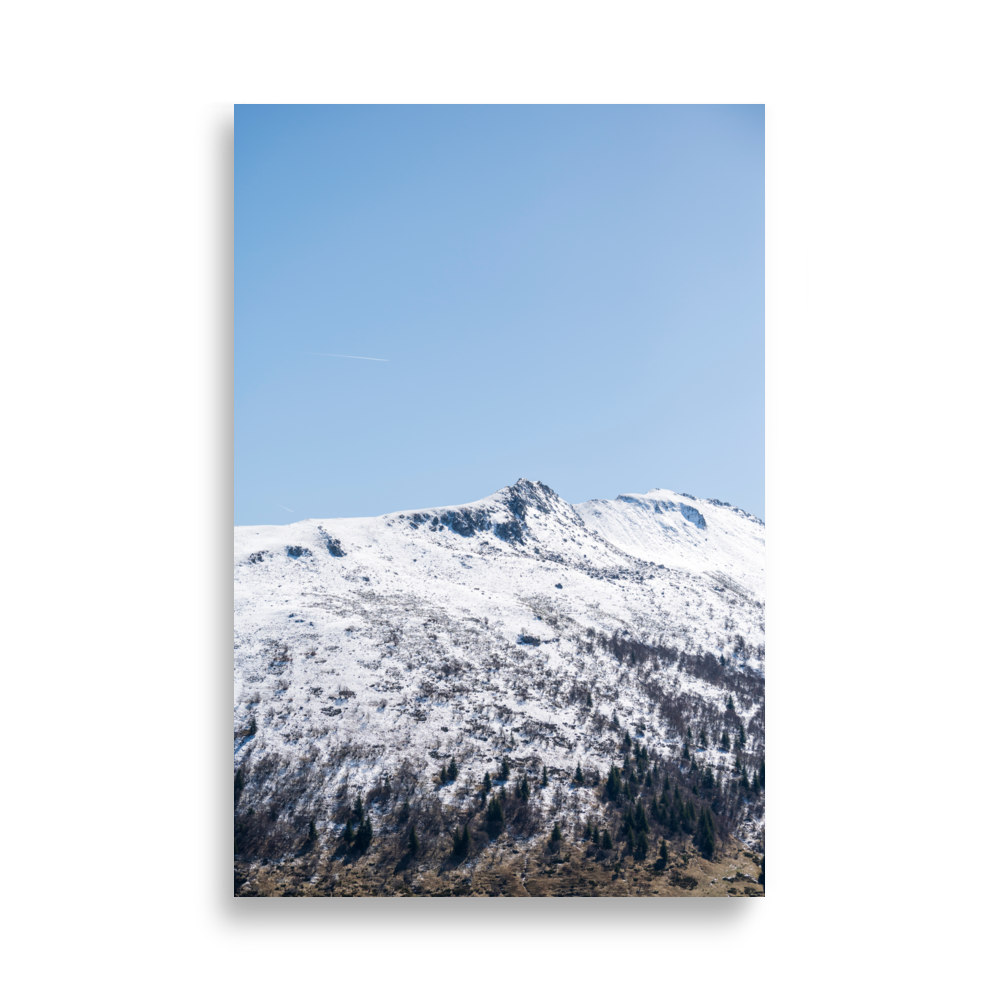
(371, 652)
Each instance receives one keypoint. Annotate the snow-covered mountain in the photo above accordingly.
(517, 626)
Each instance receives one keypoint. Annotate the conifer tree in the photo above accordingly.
(364, 836)
(494, 817)
(504, 769)
(452, 769)
(641, 845)
(414, 842)
(312, 836)
(755, 787)
(742, 738)
(613, 788)
(487, 782)
(703, 738)
(460, 842)
(628, 742)
(404, 811)
(578, 777)
(705, 837)
(725, 741)
(641, 820)
(359, 809)
(707, 781)
(689, 733)
(606, 844)
(628, 820)
(545, 777)
(596, 836)
(629, 841)
(730, 707)
(686, 754)
(762, 774)
(238, 786)
(349, 832)
(649, 780)
(590, 701)
(252, 731)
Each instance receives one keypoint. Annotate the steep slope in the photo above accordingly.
(370, 651)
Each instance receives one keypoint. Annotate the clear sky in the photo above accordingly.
(567, 293)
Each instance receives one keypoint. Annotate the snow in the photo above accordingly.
(422, 618)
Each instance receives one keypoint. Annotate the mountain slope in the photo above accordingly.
(369, 651)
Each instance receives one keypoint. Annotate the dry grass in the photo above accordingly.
(506, 868)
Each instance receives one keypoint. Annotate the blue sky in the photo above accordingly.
(567, 293)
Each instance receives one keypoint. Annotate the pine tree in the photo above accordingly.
(730, 707)
(349, 832)
(661, 862)
(460, 842)
(452, 770)
(743, 737)
(704, 836)
(578, 777)
(629, 841)
(487, 783)
(628, 822)
(590, 701)
(628, 742)
(707, 781)
(613, 788)
(686, 754)
(762, 774)
(364, 837)
(312, 836)
(414, 842)
(722, 660)
(252, 731)
(641, 820)
(755, 787)
(443, 775)
(703, 738)
(725, 741)
(689, 736)
(596, 836)
(359, 809)
(504, 769)
(649, 780)
(494, 817)
(238, 786)
(641, 845)
(606, 844)
(545, 777)
(404, 811)
(556, 837)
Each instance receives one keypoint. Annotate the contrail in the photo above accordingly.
(354, 357)
(283, 507)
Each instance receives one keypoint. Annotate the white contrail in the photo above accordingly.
(283, 507)
(354, 357)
